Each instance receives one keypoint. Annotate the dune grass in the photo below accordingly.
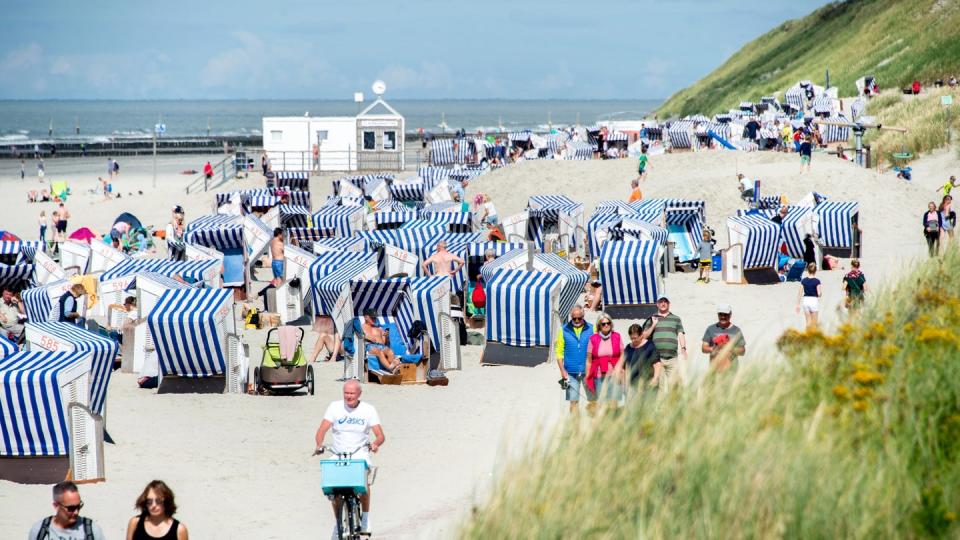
(894, 40)
(857, 435)
(924, 116)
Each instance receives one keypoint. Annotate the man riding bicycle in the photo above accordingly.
(352, 421)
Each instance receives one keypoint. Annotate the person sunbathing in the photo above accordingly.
(326, 339)
(378, 342)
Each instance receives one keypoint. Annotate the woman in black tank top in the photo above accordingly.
(156, 522)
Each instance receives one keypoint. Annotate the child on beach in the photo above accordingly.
(705, 249)
(806, 152)
(644, 162)
(43, 228)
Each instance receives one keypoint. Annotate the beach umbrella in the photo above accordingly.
(128, 218)
(7, 236)
(83, 234)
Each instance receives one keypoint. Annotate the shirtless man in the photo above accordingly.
(276, 257)
(62, 224)
(443, 261)
(377, 342)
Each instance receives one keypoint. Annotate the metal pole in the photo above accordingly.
(154, 158)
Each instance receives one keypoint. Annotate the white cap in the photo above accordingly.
(724, 308)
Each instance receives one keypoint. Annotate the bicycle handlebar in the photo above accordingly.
(342, 455)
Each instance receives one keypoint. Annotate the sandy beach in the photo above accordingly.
(240, 465)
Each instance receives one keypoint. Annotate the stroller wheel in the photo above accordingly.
(257, 382)
(309, 380)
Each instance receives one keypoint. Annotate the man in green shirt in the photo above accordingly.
(671, 342)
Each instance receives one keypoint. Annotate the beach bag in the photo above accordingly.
(435, 377)
(932, 226)
(479, 297)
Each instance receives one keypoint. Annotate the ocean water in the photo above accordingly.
(25, 122)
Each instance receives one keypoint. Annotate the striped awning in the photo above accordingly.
(353, 244)
(328, 289)
(394, 218)
(7, 347)
(190, 270)
(382, 295)
(16, 276)
(41, 303)
(34, 401)
(760, 237)
(60, 336)
(218, 231)
(189, 331)
(520, 307)
(629, 272)
(836, 228)
(292, 179)
(571, 286)
(344, 220)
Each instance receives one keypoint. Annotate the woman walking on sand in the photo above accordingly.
(932, 225)
(156, 507)
(808, 298)
(948, 219)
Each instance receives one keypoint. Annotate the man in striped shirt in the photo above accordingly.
(670, 340)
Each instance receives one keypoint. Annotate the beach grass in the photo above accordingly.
(855, 435)
(895, 41)
(925, 118)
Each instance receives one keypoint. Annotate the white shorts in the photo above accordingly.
(810, 304)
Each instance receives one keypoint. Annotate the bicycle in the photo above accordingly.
(344, 480)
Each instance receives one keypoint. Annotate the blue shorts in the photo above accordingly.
(370, 347)
(277, 267)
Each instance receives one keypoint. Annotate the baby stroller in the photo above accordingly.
(277, 374)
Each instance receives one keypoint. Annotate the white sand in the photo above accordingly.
(240, 465)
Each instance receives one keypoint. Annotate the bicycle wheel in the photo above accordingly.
(343, 519)
(353, 513)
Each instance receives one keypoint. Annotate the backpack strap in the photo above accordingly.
(87, 528)
(44, 531)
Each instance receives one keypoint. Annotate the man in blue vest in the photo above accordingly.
(571, 352)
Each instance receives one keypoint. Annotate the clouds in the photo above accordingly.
(422, 50)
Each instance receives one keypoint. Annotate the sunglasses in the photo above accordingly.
(606, 324)
(576, 319)
(71, 507)
(151, 501)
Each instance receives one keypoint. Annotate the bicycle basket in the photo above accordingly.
(340, 474)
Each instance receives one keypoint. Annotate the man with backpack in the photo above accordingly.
(66, 523)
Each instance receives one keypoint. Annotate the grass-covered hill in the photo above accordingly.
(857, 436)
(895, 40)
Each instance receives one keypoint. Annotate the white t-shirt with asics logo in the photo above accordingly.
(351, 427)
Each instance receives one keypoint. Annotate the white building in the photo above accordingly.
(373, 140)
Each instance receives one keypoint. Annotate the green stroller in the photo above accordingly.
(280, 375)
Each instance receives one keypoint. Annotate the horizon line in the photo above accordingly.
(327, 99)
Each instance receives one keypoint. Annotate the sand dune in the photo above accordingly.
(240, 464)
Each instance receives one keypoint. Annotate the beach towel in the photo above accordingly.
(89, 282)
(289, 338)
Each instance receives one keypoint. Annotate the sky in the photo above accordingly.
(428, 49)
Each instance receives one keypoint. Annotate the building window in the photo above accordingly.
(276, 135)
(322, 135)
(369, 140)
(389, 140)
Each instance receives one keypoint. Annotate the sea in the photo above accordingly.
(39, 121)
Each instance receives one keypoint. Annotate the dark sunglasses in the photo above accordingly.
(606, 324)
(151, 501)
(71, 507)
(576, 319)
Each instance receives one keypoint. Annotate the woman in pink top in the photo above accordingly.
(604, 352)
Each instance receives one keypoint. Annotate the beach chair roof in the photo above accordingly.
(189, 331)
(762, 240)
(188, 270)
(521, 306)
(33, 408)
(326, 290)
(351, 244)
(218, 231)
(7, 347)
(103, 351)
(629, 272)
